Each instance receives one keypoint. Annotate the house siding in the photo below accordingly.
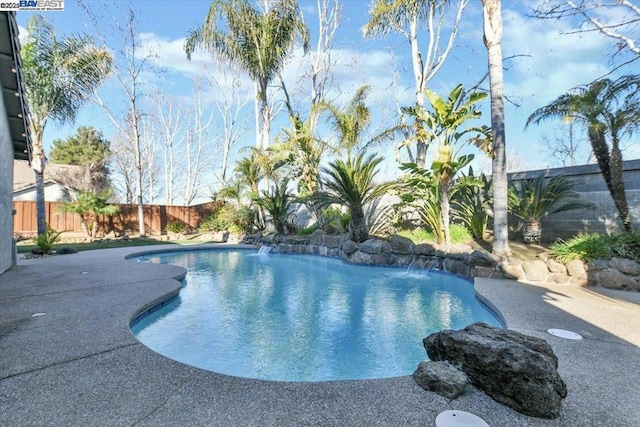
(6, 191)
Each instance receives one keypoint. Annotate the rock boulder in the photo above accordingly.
(401, 245)
(441, 378)
(516, 370)
(535, 270)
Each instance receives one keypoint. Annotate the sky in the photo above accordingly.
(544, 64)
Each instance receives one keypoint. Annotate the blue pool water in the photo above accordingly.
(304, 318)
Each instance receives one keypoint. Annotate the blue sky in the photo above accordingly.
(548, 65)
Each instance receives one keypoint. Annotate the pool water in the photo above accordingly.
(302, 317)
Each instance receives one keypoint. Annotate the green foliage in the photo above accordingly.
(588, 247)
(443, 124)
(243, 218)
(66, 250)
(307, 230)
(422, 191)
(336, 218)
(60, 74)
(89, 207)
(227, 217)
(610, 110)
(536, 198)
(177, 227)
(350, 183)
(87, 146)
(256, 41)
(472, 204)
(381, 218)
(46, 241)
(418, 235)
(303, 153)
(459, 234)
(277, 202)
(213, 223)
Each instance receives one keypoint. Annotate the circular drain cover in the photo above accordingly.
(562, 333)
(459, 419)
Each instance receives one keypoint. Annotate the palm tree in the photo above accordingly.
(60, 76)
(533, 199)
(350, 183)
(277, 202)
(351, 121)
(443, 125)
(256, 41)
(304, 152)
(492, 16)
(89, 207)
(605, 108)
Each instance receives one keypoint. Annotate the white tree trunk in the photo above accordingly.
(492, 39)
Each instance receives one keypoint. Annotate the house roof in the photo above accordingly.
(12, 85)
(23, 175)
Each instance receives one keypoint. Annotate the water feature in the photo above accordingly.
(264, 250)
(304, 318)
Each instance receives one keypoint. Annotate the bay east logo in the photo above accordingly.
(40, 5)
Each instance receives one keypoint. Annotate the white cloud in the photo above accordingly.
(554, 63)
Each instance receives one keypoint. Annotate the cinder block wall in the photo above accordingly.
(590, 184)
(6, 191)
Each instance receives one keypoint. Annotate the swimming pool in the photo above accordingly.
(302, 317)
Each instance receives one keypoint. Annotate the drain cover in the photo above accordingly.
(562, 333)
(459, 419)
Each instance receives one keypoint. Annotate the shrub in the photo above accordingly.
(307, 231)
(229, 217)
(65, 250)
(46, 241)
(626, 245)
(176, 227)
(588, 247)
(418, 235)
(459, 234)
(335, 218)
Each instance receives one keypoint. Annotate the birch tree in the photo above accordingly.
(231, 122)
(129, 71)
(596, 15)
(406, 17)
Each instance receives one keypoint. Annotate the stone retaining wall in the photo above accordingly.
(395, 251)
(617, 273)
(463, 260)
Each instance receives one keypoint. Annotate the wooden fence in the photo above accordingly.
(156, 218)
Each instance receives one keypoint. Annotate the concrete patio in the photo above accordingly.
(67, 357)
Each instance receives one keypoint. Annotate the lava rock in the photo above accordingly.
(516, 370)
(375, 246)
(483, 259)
(442, 378)
(401, 245)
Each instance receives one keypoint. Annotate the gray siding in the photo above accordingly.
(591, 186)
(6, 191)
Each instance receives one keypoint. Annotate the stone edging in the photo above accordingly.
(395, 251)
(618, 273)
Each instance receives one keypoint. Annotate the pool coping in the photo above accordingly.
(79, 363)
